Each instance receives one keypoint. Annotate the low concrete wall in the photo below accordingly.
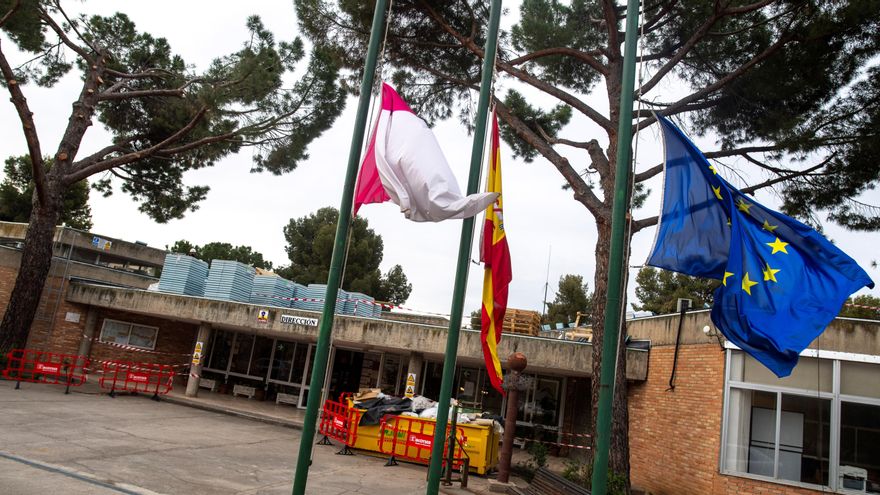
(11, 258)
(545, 355)
(842, 335)
(83, 240)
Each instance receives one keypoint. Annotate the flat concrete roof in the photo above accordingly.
(561, 357)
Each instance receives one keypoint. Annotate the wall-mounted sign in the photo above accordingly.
(410, 391)
(197, 353)
(299, 320)
(263, 316)
(101, 243)
(71, 317)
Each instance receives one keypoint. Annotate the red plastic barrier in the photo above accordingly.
(411, 439)
(25, 365)
(340, 422)
(136, 377)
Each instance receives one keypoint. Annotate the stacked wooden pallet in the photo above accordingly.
(522, 321)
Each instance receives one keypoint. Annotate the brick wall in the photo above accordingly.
(174, 341)
(675, 436)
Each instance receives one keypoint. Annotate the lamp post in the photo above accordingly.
(516, 363)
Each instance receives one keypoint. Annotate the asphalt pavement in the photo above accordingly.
(90, 443)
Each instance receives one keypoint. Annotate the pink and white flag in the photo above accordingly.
(404, 164)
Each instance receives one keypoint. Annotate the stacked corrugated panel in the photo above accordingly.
(377, 310)
(272, 290)
(230, 281)
(319, 291)
(296, 292)
(183, 274)
(360, 305)
(314, 294)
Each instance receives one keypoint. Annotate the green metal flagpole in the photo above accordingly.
(464, 253)
(616, 254)
(322, 350)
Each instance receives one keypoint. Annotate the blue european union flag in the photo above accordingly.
(782, 282)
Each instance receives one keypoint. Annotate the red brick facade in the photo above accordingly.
(174, 340)
(675, 436)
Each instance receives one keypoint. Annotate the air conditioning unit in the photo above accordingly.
(853, 478)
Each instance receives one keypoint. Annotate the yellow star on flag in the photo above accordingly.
(743, 206)
(747, 284)
(726, 275)
(778, 246)
(770, 273)
(713, 169)
(717, 191)
(768, 227)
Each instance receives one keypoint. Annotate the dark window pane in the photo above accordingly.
(804, 441)
(262, 354)
(299, 362)
(241, 353)
(860, 446)
(283, 360)
(220, 350)
(388, 378)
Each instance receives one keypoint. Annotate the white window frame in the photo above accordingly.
(834, 396)
(128, 338)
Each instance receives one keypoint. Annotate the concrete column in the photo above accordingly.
(85, 345)
(416, 363)
(199, 350)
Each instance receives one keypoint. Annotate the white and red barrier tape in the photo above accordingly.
(569, 445)
(384, 305)
(862, 306)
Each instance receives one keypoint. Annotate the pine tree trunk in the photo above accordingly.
(36, 259)
(619, 455)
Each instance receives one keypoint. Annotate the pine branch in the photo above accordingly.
(741, 70)
(582, 192)
(27, 123)
(103, 165)
(12, 9)
(588, 58)
(561, 95)
(63, 37)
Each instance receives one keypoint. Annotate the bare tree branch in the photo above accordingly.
(63, 37)
(582, 192)
(648, 222)
(127, 95)
(563, 96)
(94, 168)
(695, 38)
(588, 58)
(677, 106)
(26, 117)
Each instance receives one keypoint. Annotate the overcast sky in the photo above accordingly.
(252, 209)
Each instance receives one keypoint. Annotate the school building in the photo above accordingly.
(704, 417)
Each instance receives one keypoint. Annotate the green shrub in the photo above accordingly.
(582, 474)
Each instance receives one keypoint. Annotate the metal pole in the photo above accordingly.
(322, 350)
(616, 254)
(464, 254)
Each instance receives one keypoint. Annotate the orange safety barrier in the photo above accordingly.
(410, 438)
(339, 421)
(136, 377)
(25, 365)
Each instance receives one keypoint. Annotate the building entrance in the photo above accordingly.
(353, 370)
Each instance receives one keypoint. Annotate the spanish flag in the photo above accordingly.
(496, 259)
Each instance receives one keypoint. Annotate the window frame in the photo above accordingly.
(130, 325)
(835, 396)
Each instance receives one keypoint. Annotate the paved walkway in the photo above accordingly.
(87, 442)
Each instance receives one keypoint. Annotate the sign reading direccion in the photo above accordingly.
(299, 320)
